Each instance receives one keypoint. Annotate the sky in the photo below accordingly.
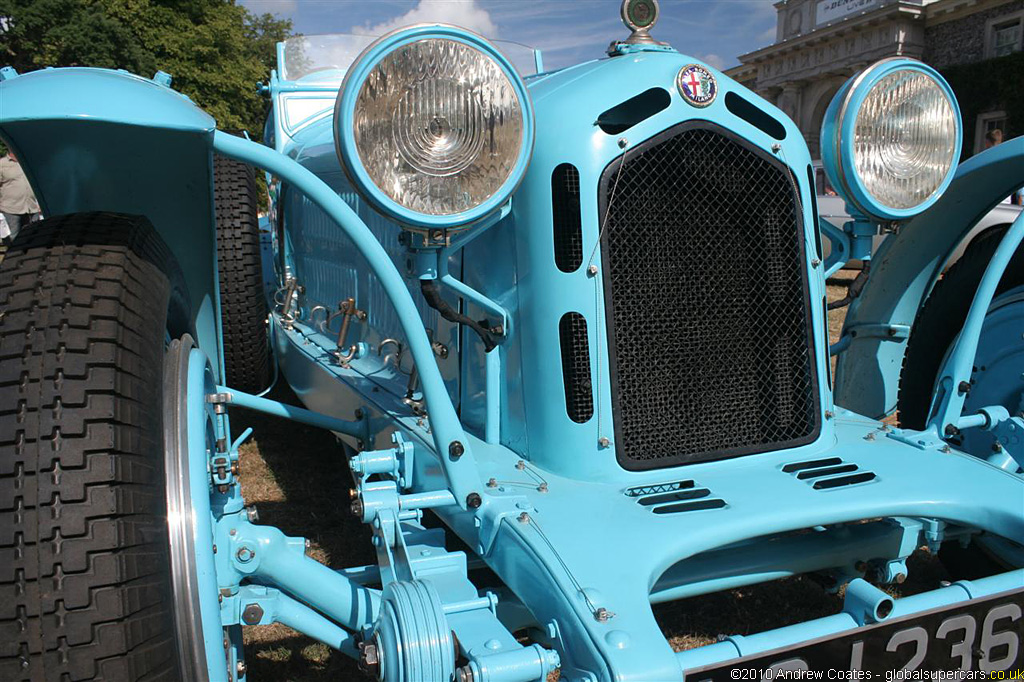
(567, 31)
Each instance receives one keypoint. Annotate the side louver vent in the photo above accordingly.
(675, 498)
(565, 211)
(828, 473)
(579, 393)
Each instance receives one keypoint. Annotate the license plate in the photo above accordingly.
(983, 635)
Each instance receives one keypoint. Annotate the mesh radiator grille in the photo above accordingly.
(707, 303)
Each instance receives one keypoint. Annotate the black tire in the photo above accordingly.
(243, 304)
(939, 321)
(85, 583)
(937, 325)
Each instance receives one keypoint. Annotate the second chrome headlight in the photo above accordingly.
(434, 126)
(891, 139)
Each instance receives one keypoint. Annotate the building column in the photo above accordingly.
(790, 101)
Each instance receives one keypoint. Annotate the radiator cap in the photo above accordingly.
(639, 16)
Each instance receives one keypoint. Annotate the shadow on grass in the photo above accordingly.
(298, 479)
(749, 610)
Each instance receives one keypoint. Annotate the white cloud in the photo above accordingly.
(465, 13)
(713, 60)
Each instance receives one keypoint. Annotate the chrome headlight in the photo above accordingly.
(434, 126)
(891, 139)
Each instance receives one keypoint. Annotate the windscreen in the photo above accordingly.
(325, 58)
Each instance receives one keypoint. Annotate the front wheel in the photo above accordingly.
(997, 373)
(86, 585)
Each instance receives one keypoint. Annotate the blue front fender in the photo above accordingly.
(100, 140)
(906, 268)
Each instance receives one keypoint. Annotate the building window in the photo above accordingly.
(1005, 35)
(994, 120)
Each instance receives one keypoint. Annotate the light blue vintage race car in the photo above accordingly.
(576, 318)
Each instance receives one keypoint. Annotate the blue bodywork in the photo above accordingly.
(582, 545)
(111, 141)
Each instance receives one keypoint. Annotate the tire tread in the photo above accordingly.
(84, 579)
(243, 304)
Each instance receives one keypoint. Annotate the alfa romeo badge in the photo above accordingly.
(697, 85)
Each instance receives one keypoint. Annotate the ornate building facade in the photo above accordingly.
(821, 43)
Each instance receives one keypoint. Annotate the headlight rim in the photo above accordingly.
(344, 135)
(839, 128)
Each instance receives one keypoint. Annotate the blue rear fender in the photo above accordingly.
(101, 140)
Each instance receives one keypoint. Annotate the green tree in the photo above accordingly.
(216, 50)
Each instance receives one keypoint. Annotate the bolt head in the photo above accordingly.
(244, 555)
(357, 507)
(369, 658)
(602, 615)
(252, 514)
(252, 614)
(474, 501)
(524, 518)
(592, 270)
(603, 442)
(456, 449)
(492, 483)
(241, 668)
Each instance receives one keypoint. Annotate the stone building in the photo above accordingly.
(819, 44)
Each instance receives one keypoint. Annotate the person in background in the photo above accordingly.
(993, 138)
(17, 202)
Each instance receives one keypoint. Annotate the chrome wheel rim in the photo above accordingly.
(181, 514)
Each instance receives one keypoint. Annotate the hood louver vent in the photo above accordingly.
(825, 474)
(675, 498)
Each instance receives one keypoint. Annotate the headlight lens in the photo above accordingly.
(905, 136)
(439, 126)
(891, 139)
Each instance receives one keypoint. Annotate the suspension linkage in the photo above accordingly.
(357, 429)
